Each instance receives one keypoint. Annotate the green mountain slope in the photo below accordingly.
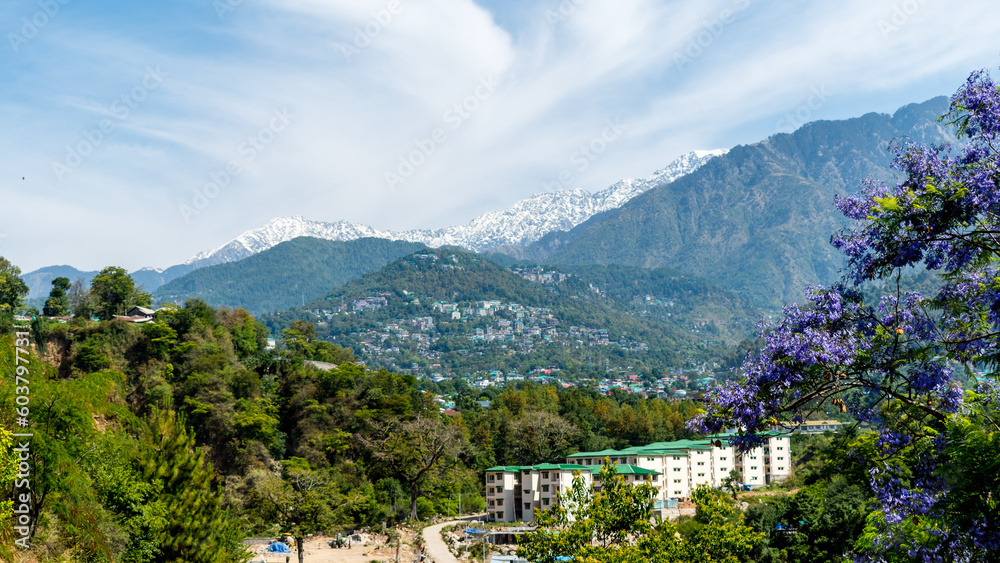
(286, 275)
(453, 312)
(756, 220)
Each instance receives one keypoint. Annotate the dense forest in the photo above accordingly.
(149, 434)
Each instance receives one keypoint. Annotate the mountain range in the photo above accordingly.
(285, 275)
(757, 220)
(522, 223)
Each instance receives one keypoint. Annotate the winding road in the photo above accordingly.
(437, 550)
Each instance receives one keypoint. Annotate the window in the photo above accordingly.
(649, 459)
(753, 478)
(545, 501)
(722, 458)
(780, 458)
(499, 515)
(753, 468)
(678, 493)
(499, 490)
(499, 502)
(780, 448)
(545, 488)
(677, 458)
(701, 475)
(527, 506)
(677, 469)
(781, 469)
(701, 463)
(545, 474)
(677, 480)
(753, 458)
(722, 469)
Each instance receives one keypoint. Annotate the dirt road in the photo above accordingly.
(436, 548)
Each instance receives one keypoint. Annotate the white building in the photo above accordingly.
(513, 493)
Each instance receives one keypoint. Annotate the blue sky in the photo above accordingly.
(147, 132)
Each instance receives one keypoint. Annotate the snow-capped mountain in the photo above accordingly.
(284, 229)
(520, 224)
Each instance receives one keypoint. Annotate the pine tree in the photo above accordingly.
(199, 530)
(57, 304)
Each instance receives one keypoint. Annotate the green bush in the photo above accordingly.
(91, 358)
(425, 508)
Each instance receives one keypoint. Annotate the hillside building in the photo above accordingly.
(675, 468)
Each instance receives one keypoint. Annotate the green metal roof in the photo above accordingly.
(602, 453)
(657, 448)
(557, 467)
(506, 468)
(539, 467)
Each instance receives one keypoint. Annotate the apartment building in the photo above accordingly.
(686, 464)
(513, 493)
(676, 468)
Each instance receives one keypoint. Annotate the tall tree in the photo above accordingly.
(8, 470)
(57, 304)
(80, 300)
(416, 452)
(541, 437)
(115, 292)
(301, 501)
(198, 529)
(899, 363)
(12, 287)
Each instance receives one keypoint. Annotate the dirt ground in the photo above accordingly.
(319, 551)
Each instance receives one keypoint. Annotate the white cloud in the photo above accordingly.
(357, 114)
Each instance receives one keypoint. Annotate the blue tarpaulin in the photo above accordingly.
(278, 547)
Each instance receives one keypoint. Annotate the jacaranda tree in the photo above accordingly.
(917, 369)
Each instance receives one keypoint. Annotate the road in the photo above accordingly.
(437, 550)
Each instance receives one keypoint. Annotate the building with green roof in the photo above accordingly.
(513, 493)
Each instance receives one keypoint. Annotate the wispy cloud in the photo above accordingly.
(367, 80)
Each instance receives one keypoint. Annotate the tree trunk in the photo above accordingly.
(299, 544)
(413, 503)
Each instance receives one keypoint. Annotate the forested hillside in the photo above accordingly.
(173, 440)
(286, 275)
(469, 315)
(758, 219)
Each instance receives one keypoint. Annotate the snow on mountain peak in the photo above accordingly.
(520, 224)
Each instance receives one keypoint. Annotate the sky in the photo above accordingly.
(141, 133)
